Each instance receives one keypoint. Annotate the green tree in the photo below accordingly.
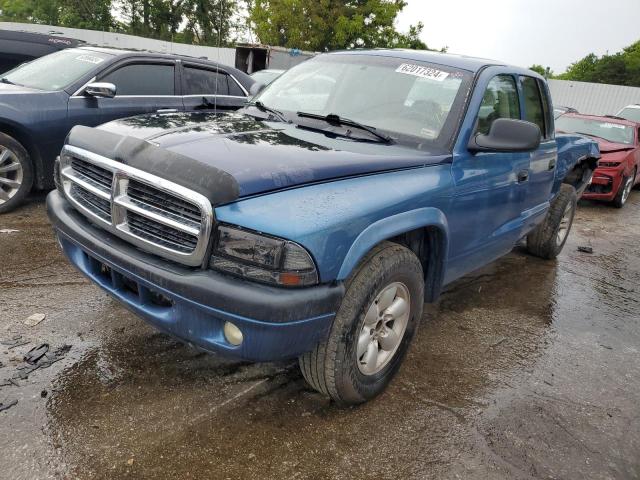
(622, 68)
(321, 25)
(94, 14)
(544, 71)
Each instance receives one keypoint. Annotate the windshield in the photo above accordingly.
(409, 101)
(57, 70)
(632, 114)
(611, 132)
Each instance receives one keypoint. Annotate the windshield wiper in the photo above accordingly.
(263, 108)
(592, 135)
(334, 119)
(6, 80)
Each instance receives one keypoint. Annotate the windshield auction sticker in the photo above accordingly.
(90, 59)
(422, 72)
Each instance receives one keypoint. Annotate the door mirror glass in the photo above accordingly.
(507, 135)
(101, 90)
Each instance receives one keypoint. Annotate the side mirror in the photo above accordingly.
(507, 135)
(101, 90)
(256, 88)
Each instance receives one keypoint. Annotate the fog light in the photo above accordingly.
(232, 334)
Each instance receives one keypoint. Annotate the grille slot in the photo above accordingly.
(161, 234)
(97, 205)
(159, 200)
(96, 176)
(149, 212)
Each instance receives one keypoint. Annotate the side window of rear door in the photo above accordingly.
(144, 79)
(500, 101)
(206, 89)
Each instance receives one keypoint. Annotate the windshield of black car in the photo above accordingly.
(408, 100)
(609, 131)
(56, 71)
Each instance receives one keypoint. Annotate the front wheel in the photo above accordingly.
(547, 239)
(624, 191)
(373, 328)
(16, 173)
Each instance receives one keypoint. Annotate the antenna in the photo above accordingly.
(215, 99)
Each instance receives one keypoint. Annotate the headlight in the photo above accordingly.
(263, 258)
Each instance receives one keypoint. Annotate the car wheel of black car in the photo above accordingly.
(373, 328)
(548, 238)
(16, 173)
(625, 190)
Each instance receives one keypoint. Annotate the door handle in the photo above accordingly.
(552, 164)
(523, 176)
(167, 110)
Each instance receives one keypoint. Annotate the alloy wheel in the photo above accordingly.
(384, 326)
(627, 189)
(11, 174)
(565, 224)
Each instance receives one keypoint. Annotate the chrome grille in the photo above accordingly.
(148, 211)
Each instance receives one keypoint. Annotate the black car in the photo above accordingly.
(42, 100)
(18, 47)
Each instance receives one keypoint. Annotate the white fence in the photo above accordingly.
(593, 98)
(226, 56)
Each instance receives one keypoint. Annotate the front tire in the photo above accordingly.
(16, 173)
(547, 239)
(373, 328)
(624, 191)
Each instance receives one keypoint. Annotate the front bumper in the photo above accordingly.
(605, 184)
(194, 304)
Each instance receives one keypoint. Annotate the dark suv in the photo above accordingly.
(19, 47)
(42, 100)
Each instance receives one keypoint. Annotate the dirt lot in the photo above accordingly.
(526, 369)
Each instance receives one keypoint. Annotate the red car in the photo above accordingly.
(619, 141)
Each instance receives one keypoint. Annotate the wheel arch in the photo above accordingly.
(579, 176)
(21, 136)
(424, 231)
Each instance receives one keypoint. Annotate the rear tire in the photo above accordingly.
(369, 338)
(16, 173)
(548, 238)
(625, 190)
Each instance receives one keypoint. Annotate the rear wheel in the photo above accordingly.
(548, 238)
(625, 190)
(16, 173)
(373, 328)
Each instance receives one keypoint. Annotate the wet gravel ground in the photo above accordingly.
(525, 369)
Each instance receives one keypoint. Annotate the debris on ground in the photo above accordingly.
(36, 358)
(9, 230)
(34, 319)
(7, 405)
(36, 353)
(43, 394)
(585, 249)
(14, 342)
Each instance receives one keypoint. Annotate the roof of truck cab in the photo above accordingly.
(463, 62)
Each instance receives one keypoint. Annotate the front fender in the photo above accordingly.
(391, 227)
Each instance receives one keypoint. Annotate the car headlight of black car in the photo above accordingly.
(262, 258)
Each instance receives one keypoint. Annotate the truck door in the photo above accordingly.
(490, 187)
(142, 86)
(537, 109)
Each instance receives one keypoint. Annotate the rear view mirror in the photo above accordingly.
(507, 135)
(101, 90)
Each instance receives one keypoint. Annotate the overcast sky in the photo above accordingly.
(552, 33)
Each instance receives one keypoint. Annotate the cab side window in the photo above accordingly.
(500, 101)
(534, 110)
(142, 79)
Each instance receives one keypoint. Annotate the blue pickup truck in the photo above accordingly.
(316, 221)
